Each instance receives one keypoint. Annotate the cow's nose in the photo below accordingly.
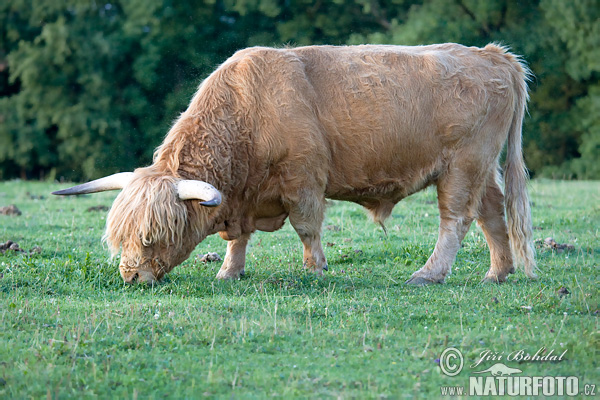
(132, 278)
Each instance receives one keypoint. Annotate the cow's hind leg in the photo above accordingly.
(459, 195)
(306, 216)
(492, 222)
(235, 258)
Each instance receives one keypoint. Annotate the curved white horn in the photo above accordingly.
(198, 190)
(111, 182)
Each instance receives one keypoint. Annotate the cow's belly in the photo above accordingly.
(366, 184)
(389, 190)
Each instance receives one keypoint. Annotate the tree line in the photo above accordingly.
(90, 87)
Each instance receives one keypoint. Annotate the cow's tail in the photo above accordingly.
(518, 211)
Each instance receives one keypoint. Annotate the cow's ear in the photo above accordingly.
(111, 182)
(199, 190)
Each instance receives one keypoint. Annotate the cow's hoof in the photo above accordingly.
(313, 267)
(226, 275)
(419, 281)
(493, 278)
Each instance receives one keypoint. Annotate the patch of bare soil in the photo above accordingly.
(209, 257)
(14, 246)
(550, 243)
(10, 210)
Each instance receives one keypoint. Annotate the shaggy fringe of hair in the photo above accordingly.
(149, 207)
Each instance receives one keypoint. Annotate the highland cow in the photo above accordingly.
(273, 133)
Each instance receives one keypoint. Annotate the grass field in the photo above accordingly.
(69, 327)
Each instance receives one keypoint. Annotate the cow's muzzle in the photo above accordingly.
(137, 277)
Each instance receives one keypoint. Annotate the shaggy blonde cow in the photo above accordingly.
(272, 133)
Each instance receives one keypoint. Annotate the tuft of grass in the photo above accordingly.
(69, 327)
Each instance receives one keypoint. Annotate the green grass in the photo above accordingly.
(69, 327)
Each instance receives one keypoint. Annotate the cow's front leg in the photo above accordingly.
(235, 258)
(307, 218)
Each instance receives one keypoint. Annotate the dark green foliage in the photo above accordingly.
(89, 88)
(96, 86)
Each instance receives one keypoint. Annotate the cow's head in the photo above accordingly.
(154, 220)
